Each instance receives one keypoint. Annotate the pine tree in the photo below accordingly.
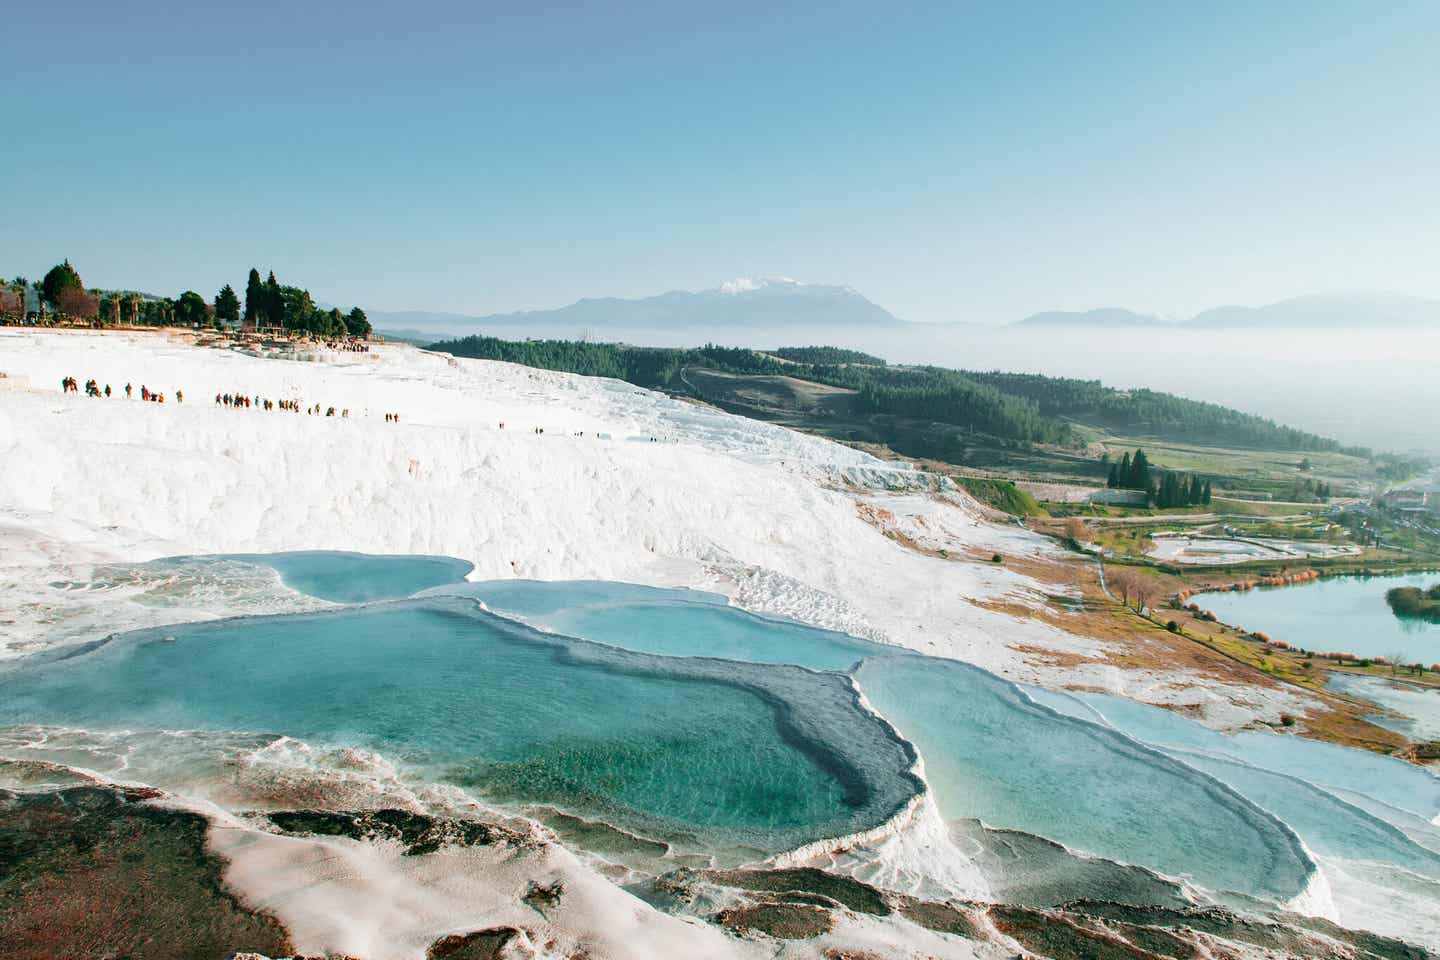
(357, 323)
(227, 305)
(254, 299)
(60, 277)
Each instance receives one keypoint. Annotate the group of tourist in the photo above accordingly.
(235, 401)
(93, 389)
(352, 344)
(238, 401)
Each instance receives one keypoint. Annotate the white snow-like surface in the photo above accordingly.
(762, 513)
(779, 521)
(623, 484)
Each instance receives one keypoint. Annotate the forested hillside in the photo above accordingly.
(1152, 413)
(643, 366)
(926, 393)
(1013, 407)
(828, 355)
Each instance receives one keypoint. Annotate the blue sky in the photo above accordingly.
(952, 161)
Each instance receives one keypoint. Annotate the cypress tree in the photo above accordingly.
(254, 298)
(1114, 480)
(1140, 467)
(1205, 499)
(274, 301)
(1126, 475)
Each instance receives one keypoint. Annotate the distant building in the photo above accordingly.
(1407, 499)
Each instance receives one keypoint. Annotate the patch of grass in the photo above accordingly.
(940, 917)
(784, 921)
(1002, 495)
(90, 872)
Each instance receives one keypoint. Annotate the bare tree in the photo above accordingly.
(1122, 584)
(1076, 529)
(1144, 593)
(1396, 659)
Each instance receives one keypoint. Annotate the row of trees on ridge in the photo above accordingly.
(62, 293)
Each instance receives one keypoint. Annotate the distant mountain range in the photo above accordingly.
(748, 302)
(779, 302)
(1103, 317)
(1330, 310)
(1318, 311)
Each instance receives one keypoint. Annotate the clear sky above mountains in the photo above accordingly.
(951, 161)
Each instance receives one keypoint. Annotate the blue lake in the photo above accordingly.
(1339, 614)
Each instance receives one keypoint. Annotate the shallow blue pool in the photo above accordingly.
(675, 623)
(342, 577)
(731, 753)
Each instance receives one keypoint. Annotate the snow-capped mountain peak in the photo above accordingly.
(751, 284)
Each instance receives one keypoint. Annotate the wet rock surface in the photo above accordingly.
(481, 945)
(420, 834)
(542, 897)
(789, 904)
(830, 887)
(99, 872)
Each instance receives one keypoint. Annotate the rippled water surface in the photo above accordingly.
(487, 704)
